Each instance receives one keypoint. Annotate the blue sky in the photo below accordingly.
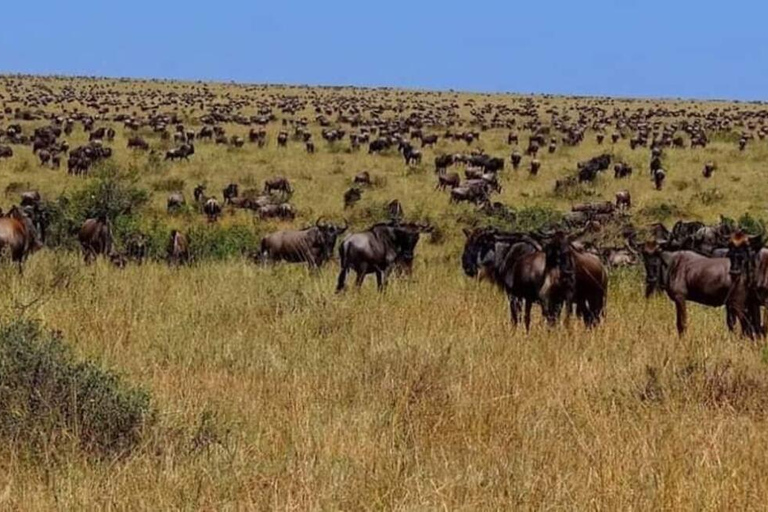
(663, 48)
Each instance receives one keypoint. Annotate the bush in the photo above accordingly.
(218, 243)
(47, 395)
(661, 211)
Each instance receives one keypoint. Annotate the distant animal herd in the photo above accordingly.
(553, 268)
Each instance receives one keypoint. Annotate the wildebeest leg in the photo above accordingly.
(730, 318)
(379, 279)
(360, 278)
(528, 307)
(514, 309)
(681, 315)
(342, 279)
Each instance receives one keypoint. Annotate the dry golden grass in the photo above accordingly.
(276, 394)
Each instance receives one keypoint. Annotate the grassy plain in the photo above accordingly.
(273, 393)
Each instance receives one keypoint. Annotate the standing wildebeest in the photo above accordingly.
(137, 142)
(30, 198)
(313, 245)
(516, 158)
(6, 151)
(276, 211)
(709, 169)
(443, 162)
(411, 155)
(175, 202)
(278, 183)
(535, 167)
(621, 170)
(659, 175)
(95, 238)
(282, 139)
(623, 200)
(572, 277)
(514, 261)
(199, 194)
(428, 140)
(689, 276)
(230, 192)
(362, 178)
(18, 235)
(450, 180)
(212, 209)
(136, 247)
(184, 151)
(177, 251)
(377, 250)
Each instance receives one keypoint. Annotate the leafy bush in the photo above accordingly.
(47, 395)
(216, 242)
(661, 211)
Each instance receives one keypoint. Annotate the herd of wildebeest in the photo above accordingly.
(714, 265)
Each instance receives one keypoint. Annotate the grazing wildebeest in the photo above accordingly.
(18, 234)
(279, 184)
(199, 194)
(282, 139)
(184, 151)
(175, 202)
(572, 277)
(95, 238)
(30, 198)
(230, 192)
(137, 142)
(377, 250)
(310, 147)
(475, 192)
(622, 170)
(535, 167)
(6, 151)
(411, 155)
(709, 169)
(212, 209)
(312, 245)
(177, 251)
(429, 140)
(352, 196)
(395, 210)
(623, 200)
(689, 276)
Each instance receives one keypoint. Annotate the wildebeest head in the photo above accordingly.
(655, 267)
(558, 252)
(329, 233)
(742, 251)
(478, 250)
(406, 237)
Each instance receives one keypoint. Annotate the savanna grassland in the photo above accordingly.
(272, 392)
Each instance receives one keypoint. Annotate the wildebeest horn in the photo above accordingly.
(318, 223)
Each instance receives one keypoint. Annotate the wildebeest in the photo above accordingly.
(177, 252)
(6, 151)
(395, 210)
(377, 250)
(175, 202)
(95, 238)
(230, 192)
(659, 175)
(352, 196)
(622, 170)
(689, 276)
(212, 209)
(362, 178)
(623, 200)
(312, 245)
(709, 169)
(282, 139)
(137, 142)
(30, 198)
(279, 184)
(279, 211)
(535, 167)
(136, 247)
(572, 277)
(447, 179)
(516, 158)
(429, 140)
(184, 151)
(442, 162)
(18, 235)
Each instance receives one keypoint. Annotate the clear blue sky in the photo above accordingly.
(668, 48)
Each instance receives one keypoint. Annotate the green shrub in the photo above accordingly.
(216, 242)
(661, 211)
(169, 185)
(47, 395)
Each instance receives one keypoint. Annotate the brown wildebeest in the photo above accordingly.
(516, 158)
(658, 178)
(623, 200)
(278, 183)
(352, 196)
(276, 211)
(709, 169)
(514, 262)
(282, 139)
(177, 252)
(535, 167)
(18, 235)
(230, 192)
(377, 251)
(689, 276)
(95, 238)
(313, 245)
(572, 277)
(447, 179)
(136, 247)
(362, 178)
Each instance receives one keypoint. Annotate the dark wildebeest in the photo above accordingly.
(278, 183)
(310, 146)
(377, 250)
(411, 155)
(395, 210)
(658, 178)
(18, 234)
(6, 151)
(352, 196)
(689, 276)
(137, 142)
(184, 151)
(177, 251)
(429, 140)
(95, 238)
(230, 192)
(175, 202)
(622, 170)
(623, 200)
(282, 139)
(313, 245)
(30, 198)
(572, 277)
(709, 169)
(516, 158)
(199, 194)
(514, 261)
(212, 209)
(535, 167)
(443, 162)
